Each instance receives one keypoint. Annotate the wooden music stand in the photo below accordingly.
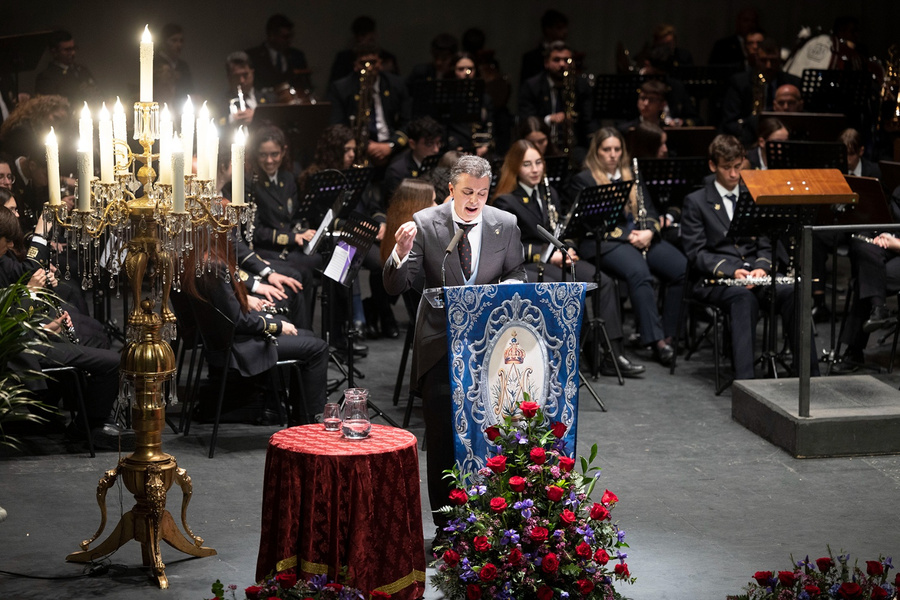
(784, 200)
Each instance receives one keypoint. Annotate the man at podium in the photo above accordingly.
(488, 251)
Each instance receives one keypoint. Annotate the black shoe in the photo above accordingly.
(104, 437)
(664, 354)
(389, 327)
(821, 313)
(844, 367)
(880, 318)
(626, 367)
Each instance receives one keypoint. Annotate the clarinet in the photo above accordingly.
(642, 208)
(66, 325)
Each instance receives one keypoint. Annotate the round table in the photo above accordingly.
(330, 503)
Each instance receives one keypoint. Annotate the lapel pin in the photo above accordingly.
(717, 207)
(497, 231)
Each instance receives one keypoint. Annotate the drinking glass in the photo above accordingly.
(331, 417)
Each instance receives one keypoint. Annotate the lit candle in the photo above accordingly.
(84, 179)
(202, 142)
(213, 166)
(178, 183)
(237, 168)
(86, 135)
(106, 147)
(120, 135)
(165, 146)
(146, 66)
(187, 136)
(53, 168)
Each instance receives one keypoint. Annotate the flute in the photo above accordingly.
(865, 238)
(748, 281)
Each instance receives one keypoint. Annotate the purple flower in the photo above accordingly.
(620, 534)
(587, 532)
(510, 536)
(472, 518)
(558, 533)
(621, 556)
(887, 564)
(805, 563)
(478, 490)
(525, 507)
(521, 439)
(318, 582)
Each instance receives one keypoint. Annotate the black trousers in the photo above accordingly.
(312, 353)
(437, 407)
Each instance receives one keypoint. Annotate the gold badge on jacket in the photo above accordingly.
(525, 199)
(717, 207)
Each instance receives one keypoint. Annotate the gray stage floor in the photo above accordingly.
(704, 502)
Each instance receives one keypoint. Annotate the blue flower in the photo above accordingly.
(621, 556)
(525, 507)
(887, 564)
(564, 594)
(621, 534)
(834, 590)
(318, 582)
(804, 563)
(478, 490)
(587, 532)
(472, 518)
(510, 536)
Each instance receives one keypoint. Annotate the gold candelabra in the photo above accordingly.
(152, 231)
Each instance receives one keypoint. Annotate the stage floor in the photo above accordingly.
(704, 501)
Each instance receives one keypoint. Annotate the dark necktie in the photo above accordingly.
(465, 250)
(536, 198)
(733, 199)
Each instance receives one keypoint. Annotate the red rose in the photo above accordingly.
(550, 563)
(497, 464)
(488, 572)
(567, 517)
(599, 512)
(515, 557)
(492, 433)
(609, 498)
(545, 592)
(601, 557)
(812, 590)
(583, 550)
(787, 578)
(376, 595)
(458, 497)
(825, 563)
(555, 493)
(473, 591)
(529, 409)
(538, 456)
(874, 568)
(762, 577)
(566, 463)
(252, 592)
(559, 429)
(286, 580)
(481, 543)
(498, 505)
(539, 534)
(878, 592)
(334, 586)
(849, 590)
(621, 570)
(516, 483)
(585, 586)
(451, 558)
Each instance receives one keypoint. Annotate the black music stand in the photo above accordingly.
(448, 100)
(671, 179)
(596, 210)
(810, 127)
(791, 154)
(890, 175)
(303, 125)
(329, 186)
(615, 96)
(705, 81)
(832, 91)
(19, 53)
(780, 203)
(558, 170)
(429, 163)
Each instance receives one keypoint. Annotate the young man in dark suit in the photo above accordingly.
(713, 254)
(276, 61)
(495, 251)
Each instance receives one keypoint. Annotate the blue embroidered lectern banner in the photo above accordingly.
(506, 340)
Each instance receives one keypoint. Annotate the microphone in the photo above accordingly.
(453, 243)
(556, 243)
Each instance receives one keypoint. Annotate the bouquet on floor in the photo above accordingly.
(826, 578)
(286, 586)
(526, 527)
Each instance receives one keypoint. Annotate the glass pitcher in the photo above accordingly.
(355, 424)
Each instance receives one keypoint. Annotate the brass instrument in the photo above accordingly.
(641, 216)
(752, 281)
(481, 139)
(566, 133)
(359, 123)
(759, 93)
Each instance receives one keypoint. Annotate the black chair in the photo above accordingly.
(188, 341)
(77, 384)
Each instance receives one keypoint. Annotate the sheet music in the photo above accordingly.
(340, 262)
(311, 246)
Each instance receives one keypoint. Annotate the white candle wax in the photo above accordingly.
(165, 146)
(187, 136)
(213, 167)
(202, 142)
(146, 66)
(84, 180)
(237, 168)
(120, 133)
(53, 168)
(178, 201)
(107, 170)
(86, 135)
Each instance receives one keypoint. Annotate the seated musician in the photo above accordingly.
(788, 99)
(461, 134)
(769, 129)
(277, 61)
(622, 251)
(857, 163)
(425, 135)
(243, 97)
(651, 105)
(523, 192)
(388, 100)
(713, 254)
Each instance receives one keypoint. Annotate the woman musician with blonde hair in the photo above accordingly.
(633, 250)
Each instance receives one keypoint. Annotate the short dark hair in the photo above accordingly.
(851, 138)
(362, 25)
(725, 147)
(444, 43)
(171, 29)
(553, 18)
(278, 21)
(57, 37)
(768, 126)
(557, 46)
(238, 59)
(424, 128)
(654, 86)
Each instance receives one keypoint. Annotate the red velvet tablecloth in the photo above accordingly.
(330, 502)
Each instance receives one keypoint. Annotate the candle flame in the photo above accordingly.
(188, 106)
(85, 111)
(51, 138)
(146, 37)
(213, 134)
(204, 111)
(104, 112)
(164, 115)
(176, 144)
(118, 108)
(239, 136)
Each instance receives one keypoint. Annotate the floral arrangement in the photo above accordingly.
(526, 527)
(286, 586)
(826, 578)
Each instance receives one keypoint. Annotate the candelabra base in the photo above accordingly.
(148, 522)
